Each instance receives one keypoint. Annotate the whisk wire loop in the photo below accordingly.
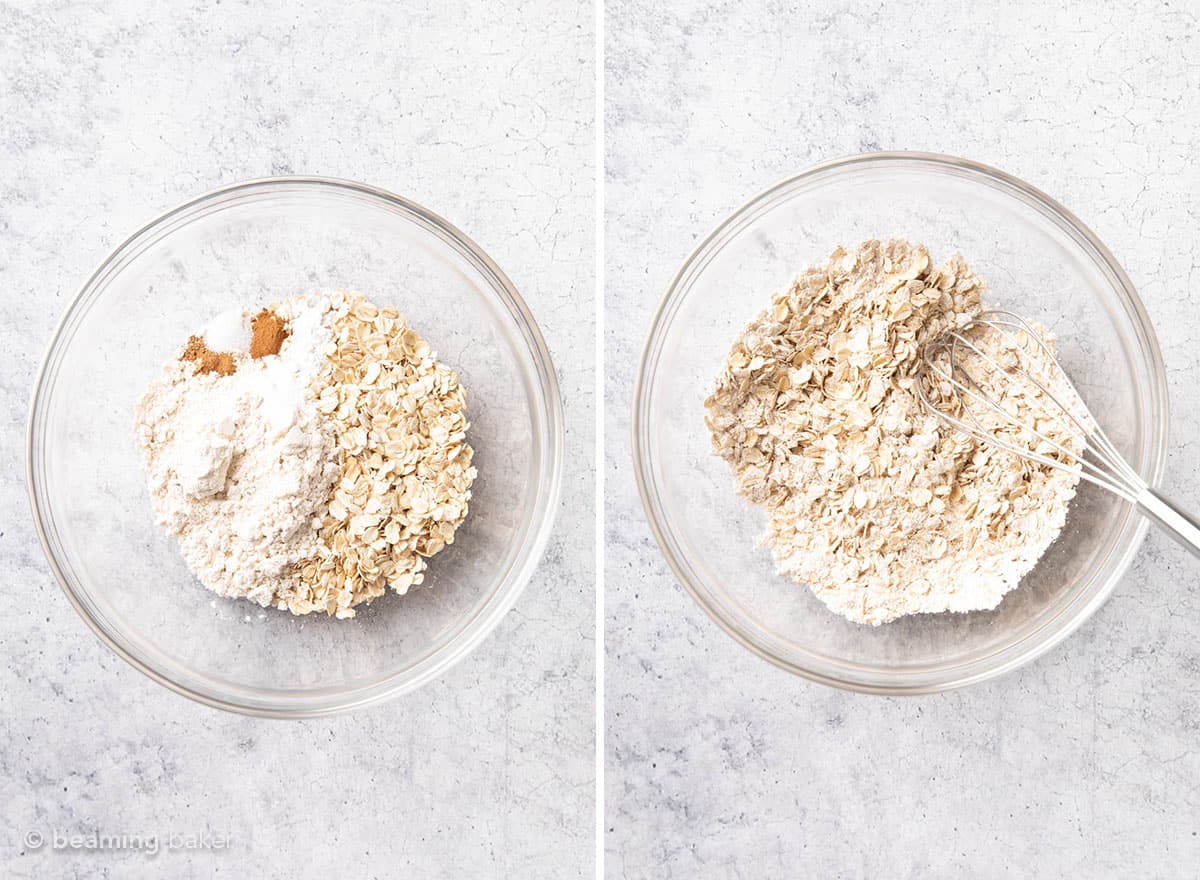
(1098, 462)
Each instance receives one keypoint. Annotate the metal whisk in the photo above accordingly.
(943, 365)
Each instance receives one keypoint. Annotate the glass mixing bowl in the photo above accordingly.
(1041, 262)
(243, 246)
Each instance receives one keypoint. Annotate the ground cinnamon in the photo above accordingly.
(268, 332)
(207, 360)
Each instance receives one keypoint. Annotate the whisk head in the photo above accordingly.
(974, 376)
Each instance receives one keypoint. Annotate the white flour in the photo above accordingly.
(241, 466)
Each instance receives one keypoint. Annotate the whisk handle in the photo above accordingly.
(1179, 525)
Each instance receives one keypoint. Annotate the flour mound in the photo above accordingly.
(241, 466)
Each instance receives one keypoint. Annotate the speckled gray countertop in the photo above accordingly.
(1083, 764)
(111, 113)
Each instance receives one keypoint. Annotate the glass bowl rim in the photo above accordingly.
(549, 432)
(1008, 657)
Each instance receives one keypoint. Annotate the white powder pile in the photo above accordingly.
(873, 502)
(241, 466)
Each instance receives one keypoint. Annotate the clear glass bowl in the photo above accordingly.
(1041, 262)
(243, 246)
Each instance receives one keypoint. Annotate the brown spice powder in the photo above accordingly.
(207, 360)
(269, 330)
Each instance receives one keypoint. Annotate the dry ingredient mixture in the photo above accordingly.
(874, 503)
(310, 456)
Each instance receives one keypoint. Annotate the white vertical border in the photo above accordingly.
(598, 410)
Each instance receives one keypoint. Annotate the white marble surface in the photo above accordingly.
(1083, 764)
(110, 113)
